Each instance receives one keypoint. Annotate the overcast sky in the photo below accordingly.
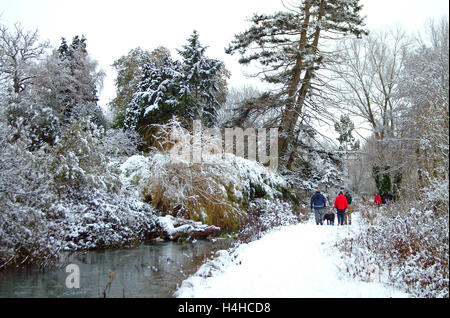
(114, 27)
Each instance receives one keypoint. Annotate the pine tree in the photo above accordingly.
(129, 73)
(78, 93)
(159, 97)
(286, 46)
(189, 89)
(201, 76)
(345, 128)
(159, 91)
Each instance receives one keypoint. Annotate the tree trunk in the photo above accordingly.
(291, 118)
(16, 84)
(292, 93)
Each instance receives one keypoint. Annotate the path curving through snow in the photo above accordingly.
(298, 261)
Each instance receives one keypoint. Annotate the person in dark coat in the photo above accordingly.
(384, 198)
(389, 197)
(348, 214)
(318, 203)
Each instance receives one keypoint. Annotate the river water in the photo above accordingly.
(151, 270)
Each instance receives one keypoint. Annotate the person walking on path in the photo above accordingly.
(386, 198)
(383, 198)
(378, 201)
(341, 205)
(318, 203)
(348, 214)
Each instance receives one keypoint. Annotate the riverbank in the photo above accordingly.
(143, 198)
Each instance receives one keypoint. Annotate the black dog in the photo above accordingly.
(329, 217)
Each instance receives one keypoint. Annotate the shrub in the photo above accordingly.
(65, 197)
(215, 194)
(79, 161)
(263, 215)
(408, 245)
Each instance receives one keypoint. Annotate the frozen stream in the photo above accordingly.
(151, 270)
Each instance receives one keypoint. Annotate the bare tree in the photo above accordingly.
(425, 121)
(367, 73)
(19, 51)
(400, 88)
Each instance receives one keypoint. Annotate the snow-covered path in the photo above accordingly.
(291, 262)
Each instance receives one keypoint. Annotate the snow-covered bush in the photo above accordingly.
(65, 197)
(122, 143)
(79, 163)
(436, 194)
(104, 221)
(263, 215)
(216, 194)
(409, 246)
(39, 123)
(216, 190)
(25, 186)
(91, 110)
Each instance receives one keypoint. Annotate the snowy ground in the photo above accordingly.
(291, 262)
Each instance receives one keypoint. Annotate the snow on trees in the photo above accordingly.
(424, 122)
(202, 76)
(78, 93)
(67, 184)
(129, 73)
(58, 186)
(287, 47)
(189, 88)
(20, 50)
(291, 49)
(367, 73)
(157, 98)
(54, 88)
(399, 87)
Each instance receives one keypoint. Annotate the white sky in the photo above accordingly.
(113, 27)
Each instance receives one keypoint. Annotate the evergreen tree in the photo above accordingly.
(158, 97)
(190, 89)
(129, 73)
(386, 183)
(383, 181)
(286, 46)
(201, 76)
(77, 93)
(158, 93)
(345, 128)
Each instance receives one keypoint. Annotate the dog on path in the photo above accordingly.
(329, 217)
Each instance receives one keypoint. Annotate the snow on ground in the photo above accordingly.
(298, 261)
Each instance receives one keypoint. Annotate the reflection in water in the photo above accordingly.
(151, 270)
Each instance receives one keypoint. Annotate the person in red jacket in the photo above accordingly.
(378, 201)
(341, 205)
